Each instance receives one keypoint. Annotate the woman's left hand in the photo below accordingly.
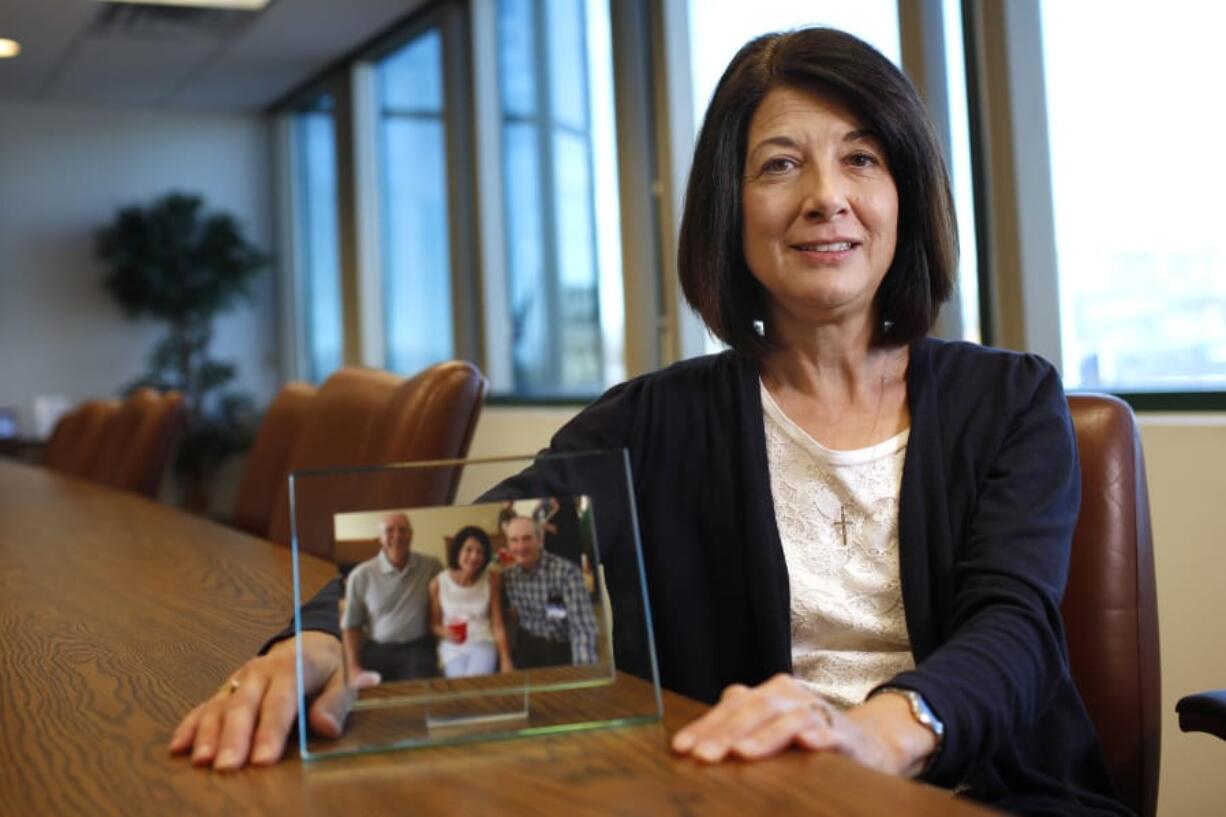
(767, 719)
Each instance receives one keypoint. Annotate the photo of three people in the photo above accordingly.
(461, 592)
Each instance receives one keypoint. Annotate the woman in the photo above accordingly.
(855, 537)
(472, 639)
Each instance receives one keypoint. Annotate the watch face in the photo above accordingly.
(926, 715)
(920, 710)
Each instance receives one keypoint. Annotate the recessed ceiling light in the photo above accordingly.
(9, 48)
(245, 5)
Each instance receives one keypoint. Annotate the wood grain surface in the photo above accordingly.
(117, 615)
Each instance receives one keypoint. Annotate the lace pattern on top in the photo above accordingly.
(837, 514)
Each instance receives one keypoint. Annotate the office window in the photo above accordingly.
(417, 312)
(317, 237)
(562, 269)
(967, 292)
(1137, 174)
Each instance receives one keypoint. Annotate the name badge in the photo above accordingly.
(555, 608)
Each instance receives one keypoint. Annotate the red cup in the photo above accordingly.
(505, 558)
(459, 630)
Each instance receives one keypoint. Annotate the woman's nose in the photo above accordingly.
(825, 196)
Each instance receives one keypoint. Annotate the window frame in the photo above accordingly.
(1019, 291)
(477, 239)
(1014, 224)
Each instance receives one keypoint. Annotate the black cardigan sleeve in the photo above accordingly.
(321, 612)
(1002, 658)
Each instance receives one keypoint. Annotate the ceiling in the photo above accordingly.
(94, 53)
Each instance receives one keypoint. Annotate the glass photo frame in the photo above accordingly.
(484, 599)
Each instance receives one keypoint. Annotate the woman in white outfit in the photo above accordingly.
(472, 639)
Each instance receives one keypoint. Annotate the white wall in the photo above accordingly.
(1184, 456)
(64, 171)
(431, 527)
(508, 431)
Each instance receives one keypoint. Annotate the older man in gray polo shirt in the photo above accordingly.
(386, 625)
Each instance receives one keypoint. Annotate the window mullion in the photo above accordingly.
(464, 204)
(683, 332)
(362, 319)
(634, 93)
(921, 31)
(552, 272)
(1014, 190)
(291, 266)
(493, 248)
(364, 114)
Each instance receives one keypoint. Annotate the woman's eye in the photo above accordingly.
(863, 160)
(779, 164)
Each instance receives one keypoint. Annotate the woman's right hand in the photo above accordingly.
(444, 633)
(250, 716)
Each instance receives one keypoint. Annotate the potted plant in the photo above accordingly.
(175, 262)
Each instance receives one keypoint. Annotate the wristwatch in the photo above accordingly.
(923, 715)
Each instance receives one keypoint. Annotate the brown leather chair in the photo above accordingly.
(77, 436)
(432, 417)
(87, 443)
(118, 432)
(64, 439)
(427, 417)
(334, 432)
(1110, 606)
(153, 446)
(268, 460)
(139, 440)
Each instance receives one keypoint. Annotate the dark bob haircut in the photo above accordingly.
(462, 536)
(710, 256)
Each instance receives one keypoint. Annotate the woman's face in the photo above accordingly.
(820, 208)
(471, 557)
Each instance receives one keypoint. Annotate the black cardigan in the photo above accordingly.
(990, 493)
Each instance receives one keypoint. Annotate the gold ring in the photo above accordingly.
(231, 686)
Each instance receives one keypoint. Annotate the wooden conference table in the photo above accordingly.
(117, 615)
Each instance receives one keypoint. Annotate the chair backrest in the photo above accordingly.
(427, 417)
(63, 440)
(118, 432)
(342, 417)
(268, 460)
(139, 440)
(1110, 607)
(91, 432)
(153, 445)
(432, 416)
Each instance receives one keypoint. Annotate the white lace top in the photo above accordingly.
(837, 513)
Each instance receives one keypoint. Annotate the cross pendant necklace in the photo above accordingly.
(842, 523)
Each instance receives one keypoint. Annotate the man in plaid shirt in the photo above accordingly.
(557, 624)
